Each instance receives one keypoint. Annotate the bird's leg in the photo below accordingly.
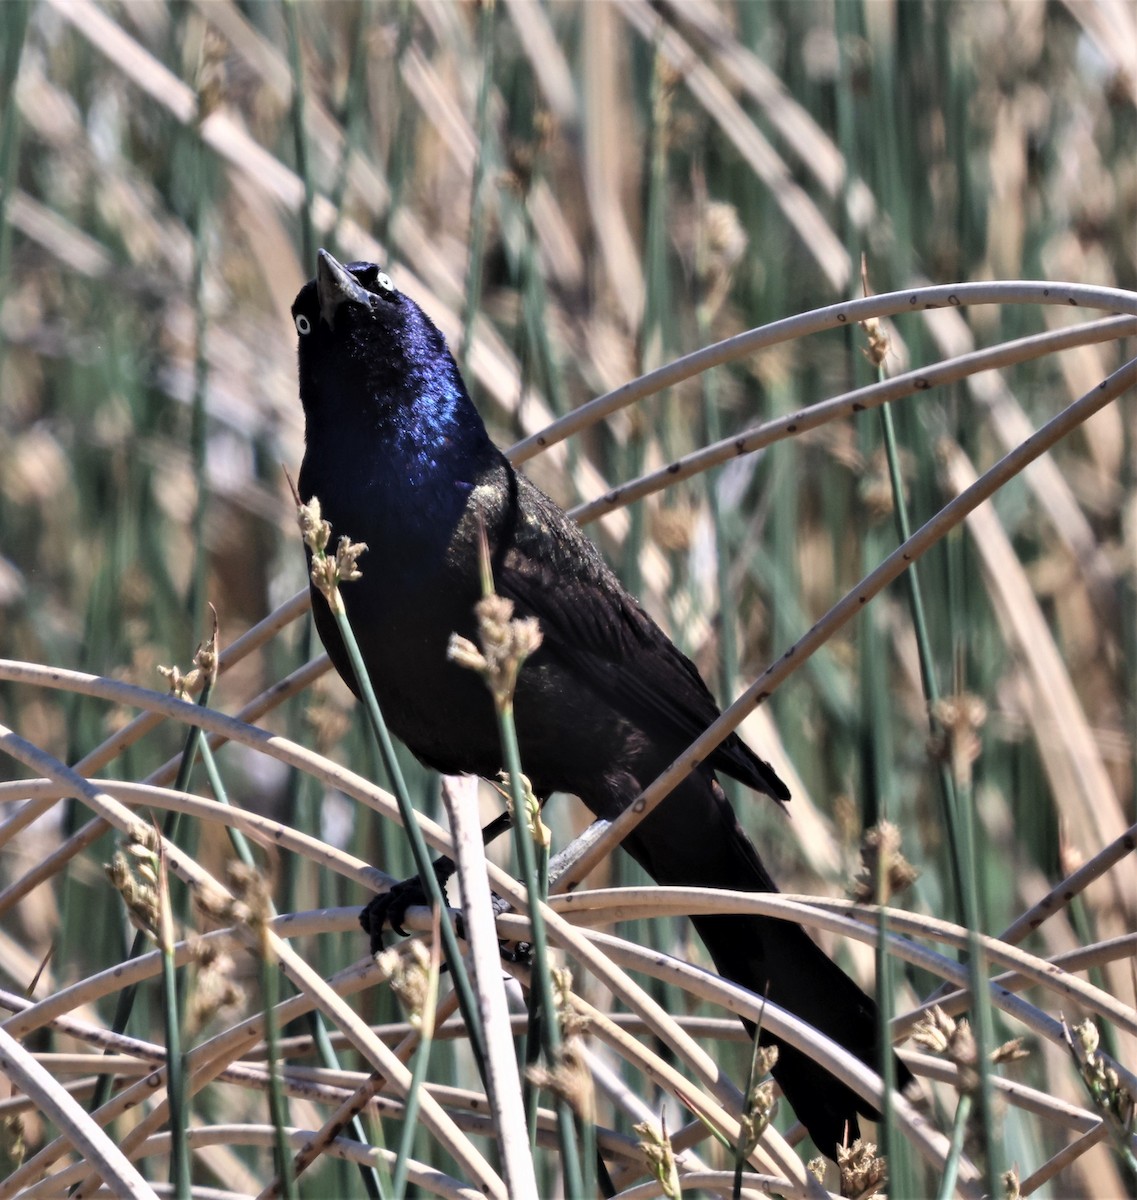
(560, 867)
(497, 827)
(562, 863)
(389, 908)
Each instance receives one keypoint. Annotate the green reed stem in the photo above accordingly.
(352, 112)
(285, 1175)
(418, 1072)
(955, 1153)
(550, 1030)
(299, 129)
(15, 27)
(423, 864)
(372, 1180)
(124, 1005)
(890, 1143)
(180, 1174)
(200, 384)
(959, 814)
(175, 1078)
(484, 134)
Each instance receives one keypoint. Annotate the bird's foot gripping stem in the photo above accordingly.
(390, 907)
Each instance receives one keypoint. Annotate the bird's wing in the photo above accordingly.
(546, 565)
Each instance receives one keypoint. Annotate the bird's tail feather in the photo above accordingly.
(694, 839)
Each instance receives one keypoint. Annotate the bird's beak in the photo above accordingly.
(335, 285)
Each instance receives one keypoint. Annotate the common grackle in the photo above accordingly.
(400, 459)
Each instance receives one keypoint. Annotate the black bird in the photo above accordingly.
(400, 459)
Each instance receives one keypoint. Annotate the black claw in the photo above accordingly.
(390, 908)
(517, 952)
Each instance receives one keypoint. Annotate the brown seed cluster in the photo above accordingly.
(505, 643)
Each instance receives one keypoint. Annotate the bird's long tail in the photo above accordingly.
(694, 839)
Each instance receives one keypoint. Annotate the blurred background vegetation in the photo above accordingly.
(577, 193)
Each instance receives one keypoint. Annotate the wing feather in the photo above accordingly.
(601, 634)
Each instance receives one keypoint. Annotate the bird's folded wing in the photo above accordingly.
(601, 634)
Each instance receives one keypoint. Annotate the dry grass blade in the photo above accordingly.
(503, 1081)
(898, 387)
(88, 1139)
(842, 315)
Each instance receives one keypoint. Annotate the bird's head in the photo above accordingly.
(361, 340)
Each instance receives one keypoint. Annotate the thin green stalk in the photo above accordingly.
(180, 1175)
(200, 379)
(423, 863)
(372, 1180)
(656, 333)
(299, 129)
(124, 1005)
(403, 140)
(418, 1068)
(530, 1093)
(958, 811)
(981, 997)
(958, 1137)
(376, 1137)
(962, 849)
(919, 624)
(740, 1150)
(237, 839)
(328, 573)
(175, 1079)
(530, 1096)
(352, 110)
(282, 1153)
(16, 25)
(958, 814)
(890, 1143)
(947, 788)
(547, 1012)
(541, 370)
(506, 643)
(586, 1133)
(727, 640)
(653, 334)
(410, 1120)
(482, 132)
(543, 870)
(328, 1057)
